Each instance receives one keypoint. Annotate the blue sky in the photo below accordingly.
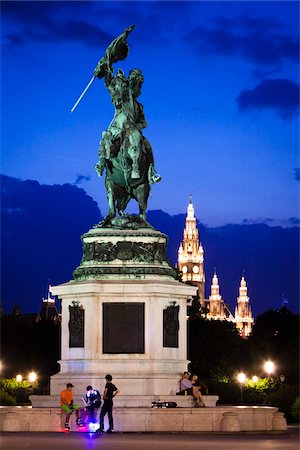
(220, 96)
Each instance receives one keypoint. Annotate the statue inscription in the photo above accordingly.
(123, 327)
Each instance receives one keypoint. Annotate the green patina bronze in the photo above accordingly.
(93, 273)
(124, 152)
(134, 251)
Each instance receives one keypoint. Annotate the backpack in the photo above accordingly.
(97, 400)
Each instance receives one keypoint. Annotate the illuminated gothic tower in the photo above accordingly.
(243, 313)
(216, 304)
(218, 310)
(191, 254)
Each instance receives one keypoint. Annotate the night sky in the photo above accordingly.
(220, 97)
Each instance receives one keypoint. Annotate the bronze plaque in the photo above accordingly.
(123, 327)
(76, 326)
(170, 326)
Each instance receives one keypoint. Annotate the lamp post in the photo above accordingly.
(269, 369)
(241, 379)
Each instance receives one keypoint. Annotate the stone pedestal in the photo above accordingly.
(125, 314)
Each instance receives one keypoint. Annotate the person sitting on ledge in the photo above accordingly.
(186, 386)
(68, 406)
(196, 390)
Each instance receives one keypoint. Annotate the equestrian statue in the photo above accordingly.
(124, 152)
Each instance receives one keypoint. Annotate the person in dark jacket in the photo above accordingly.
(110, 391)
(93, 402)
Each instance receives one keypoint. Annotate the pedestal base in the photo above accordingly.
(156, 369)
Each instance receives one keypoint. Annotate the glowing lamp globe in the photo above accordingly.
(241, 378)
(269, 367)
(32, 377)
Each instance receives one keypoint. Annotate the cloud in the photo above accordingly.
(297, 173)
(29, 212)
(285, 223)
(294, 221)
(281, 95)
(80, 178)
(82, 21)
(52, 22)
(249, 36)
(265, 220)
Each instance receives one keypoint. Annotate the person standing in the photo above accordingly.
(110, 391)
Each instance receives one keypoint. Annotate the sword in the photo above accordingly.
(88, 85)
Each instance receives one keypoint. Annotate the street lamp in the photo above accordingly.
(32, 377)
(19, 378)
(255, 379)
(241, 377)
(269, 369)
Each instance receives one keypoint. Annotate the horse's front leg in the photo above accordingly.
(122, 203)
(111, 201)
(141, 195)
(111, 204)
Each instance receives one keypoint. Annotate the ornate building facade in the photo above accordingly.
(243, 314)
(191, 265)
(191, 254)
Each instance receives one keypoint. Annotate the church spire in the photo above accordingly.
(191, 253)
(243, 313)
(216, 304)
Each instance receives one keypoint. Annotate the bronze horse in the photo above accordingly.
(127, 174)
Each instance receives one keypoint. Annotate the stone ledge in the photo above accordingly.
(253, 419)
(128, 401)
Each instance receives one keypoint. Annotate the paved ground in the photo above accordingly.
(133, 441)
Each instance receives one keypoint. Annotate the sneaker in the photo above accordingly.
(109, 431)
(67, 426)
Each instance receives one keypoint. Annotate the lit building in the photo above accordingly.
(191, 254)
(243, 314)
(218, 310)
(48, 310)
(191, 265)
